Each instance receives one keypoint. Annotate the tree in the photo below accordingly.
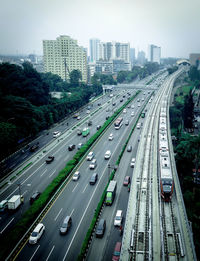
(188, 111)
(75, 77)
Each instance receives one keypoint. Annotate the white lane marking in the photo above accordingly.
(75, 187)
(34, 253)
(58, 214)
(82, 218)
(50, 253)
(52, 173)
(7, 225)
(72, 212)
(84, 188)
(31, 175)
(43, 173)
(24, 192)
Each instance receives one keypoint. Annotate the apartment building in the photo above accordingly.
(63, 55)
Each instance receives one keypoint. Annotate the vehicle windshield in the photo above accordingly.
(64, 225)
(118, 218)
(116, 253)
(34, 234)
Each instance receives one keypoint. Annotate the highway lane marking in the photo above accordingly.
(82, 218)
(58, 214)
(75, 187)
(52, 173)
(34, 253)
(6, 225)
(24, 181)
(50, 252)
(72, 212)
(43, 173)
(84, 188)
(24, 192)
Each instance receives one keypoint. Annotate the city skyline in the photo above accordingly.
(174, 26)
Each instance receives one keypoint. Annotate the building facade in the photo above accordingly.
(94, 50)
(63, 55)
(154, 54)
(195, 59)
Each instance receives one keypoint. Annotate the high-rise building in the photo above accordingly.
(94, 49)
(141, 58)
(195, 59)
(63, 55)
(154, 53)
(132, 55)
(114, 50)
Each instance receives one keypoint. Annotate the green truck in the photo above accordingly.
(110, 192)
(85, 132)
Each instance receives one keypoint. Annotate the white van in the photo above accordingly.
(118, 218)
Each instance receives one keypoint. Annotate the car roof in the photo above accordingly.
(101, 222)
(37, 228)
(119, 212)
(66, 219)
(118, 246)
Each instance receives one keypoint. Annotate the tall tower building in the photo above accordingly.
(63, 55)
(94, 50)
(132, 55)
(154, 53)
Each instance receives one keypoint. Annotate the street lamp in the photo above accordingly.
(111, 167)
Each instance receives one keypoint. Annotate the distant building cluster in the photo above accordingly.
(154, 54)
(195, 59)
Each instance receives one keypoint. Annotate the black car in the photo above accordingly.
(107, 117)
(99, 104)
(89, 123)
(101, 227)
(49, 159)
(34, 147)
(34, 196)
(93, 178)
(71, 147)
(98, 127)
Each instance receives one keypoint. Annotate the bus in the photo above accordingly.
(85, 132)
(118, 123)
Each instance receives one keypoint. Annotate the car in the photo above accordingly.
(34, 147)
(76, 176)
(132, 113)
(93, 164)
(3, 205)
(37, 233)
(56, 134)
(79, 132)
(71, 147)
(93, 178)
(118, 218)
(132, 106)
(114, 103)
(107, 109)
(88, 111)
(127, 180)
(50, 159)
(98, 127)
(129, 106)
(89, 107)
(138, 100)
(138, 125)
(79, 146)
(111, 136)
(107, 154)
(117, 251)
(127, 122)
(99, 104)
(129, 148)
(121, 100)
(138, 104)
(101, 227)
(124, 110)
(89, 123)
(66, 225)
(142, 99)
(78, 118)
(132, 164)
(107, 117)
(34, 197)
(90, 156)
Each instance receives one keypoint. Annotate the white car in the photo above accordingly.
(132, 164)
(118, 218)
(138, 125)
(93, 164)
(138, 104)
(107, 154)
(76, 175)
(124, 110)
(88, 111)
(37, 233)
(56, 134)
(132, 106)
(90, 156)
(132, 113)
(111, 136)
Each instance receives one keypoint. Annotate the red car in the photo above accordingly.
(127, 181)
(116, 253)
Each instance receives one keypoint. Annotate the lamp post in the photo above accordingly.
(111, 167)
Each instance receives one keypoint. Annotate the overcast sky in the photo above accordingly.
(174, 25)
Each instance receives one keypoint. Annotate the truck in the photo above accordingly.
(85, 132)
(15, 202)
(110, 192)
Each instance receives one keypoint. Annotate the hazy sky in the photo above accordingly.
(172, 24)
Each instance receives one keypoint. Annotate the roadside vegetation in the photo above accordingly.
(187, 151)
(26, 106)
